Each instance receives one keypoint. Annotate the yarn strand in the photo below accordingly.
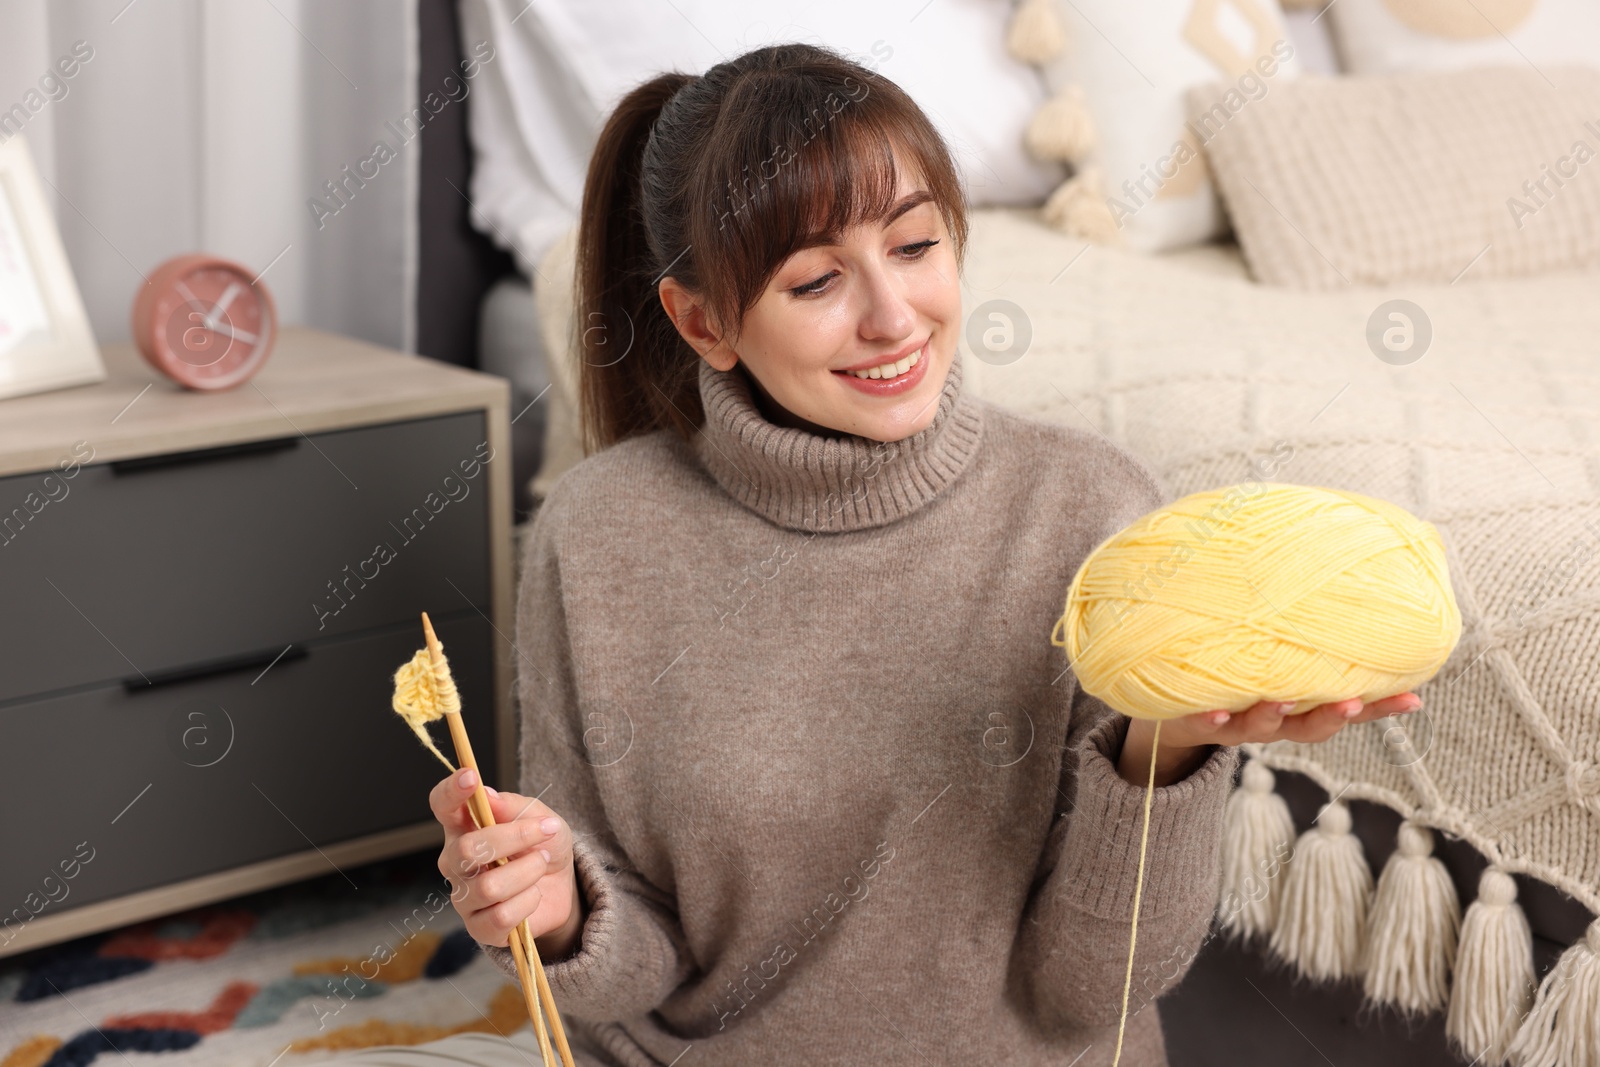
(1138, 891)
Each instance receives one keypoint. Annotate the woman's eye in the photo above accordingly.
(910, 251)
(813, 287)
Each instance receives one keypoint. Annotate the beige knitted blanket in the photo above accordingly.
(1493, 435)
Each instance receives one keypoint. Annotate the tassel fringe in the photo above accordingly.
(1036, 35)
(1078, 208)
(1563, 1029)
(1063, 129)
(1494, 980)
(1257, 840)
(1322, 922)
(1405, 936)
(1416, 917)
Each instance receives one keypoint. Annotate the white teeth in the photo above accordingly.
(890, 370)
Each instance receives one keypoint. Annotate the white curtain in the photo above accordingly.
(215, 126)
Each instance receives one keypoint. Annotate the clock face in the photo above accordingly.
(205, 322)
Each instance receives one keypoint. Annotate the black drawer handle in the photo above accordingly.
(202, 455)
(227, 665)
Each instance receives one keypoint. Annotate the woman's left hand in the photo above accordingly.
(1184, 740)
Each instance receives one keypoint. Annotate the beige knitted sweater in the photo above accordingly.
(836, 797)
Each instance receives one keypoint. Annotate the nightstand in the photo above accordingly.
(206, 597)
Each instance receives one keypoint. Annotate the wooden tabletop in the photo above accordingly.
(313, 381)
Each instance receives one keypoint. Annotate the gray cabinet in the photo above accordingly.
(224, 770)
(204, 613)
(150, 566)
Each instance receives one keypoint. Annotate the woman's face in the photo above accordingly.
(884, 299)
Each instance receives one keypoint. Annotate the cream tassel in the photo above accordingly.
(1323, 916)
(1494, 979)
(1036, 35)
(1411, 934)
(1078, 208)
(1257, 839)
(1063, 129)
(1563, 1029)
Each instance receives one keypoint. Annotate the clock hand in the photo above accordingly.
(209, 321)
(221, 306)
(238, 335)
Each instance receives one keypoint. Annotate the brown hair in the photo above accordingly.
(716, 179)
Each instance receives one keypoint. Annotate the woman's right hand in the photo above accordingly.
(538, 881)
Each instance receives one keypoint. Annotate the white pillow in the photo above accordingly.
(1133, 62)
(561, 65)
(1394, 36)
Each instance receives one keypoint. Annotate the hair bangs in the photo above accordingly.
(826, 156)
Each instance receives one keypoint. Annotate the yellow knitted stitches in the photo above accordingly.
(424, 694)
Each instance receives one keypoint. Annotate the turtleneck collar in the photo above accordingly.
(829, 484)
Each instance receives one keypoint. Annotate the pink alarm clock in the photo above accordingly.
(205, 322)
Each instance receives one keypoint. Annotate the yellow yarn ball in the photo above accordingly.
(1261, 591)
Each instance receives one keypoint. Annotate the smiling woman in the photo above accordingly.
(737, 258)
(819, 367)
(774, 402)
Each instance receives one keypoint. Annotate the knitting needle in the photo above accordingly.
(521, 941)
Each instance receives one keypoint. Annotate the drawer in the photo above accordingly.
(146, 566)
(176, 781)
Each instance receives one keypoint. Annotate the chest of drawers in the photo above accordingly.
(203, 599)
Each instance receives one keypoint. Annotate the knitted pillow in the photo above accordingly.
(1410, 177)
(1388, 36)
(1118, 71)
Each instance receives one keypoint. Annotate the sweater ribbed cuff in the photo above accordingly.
(1101, 852)
(585, 976)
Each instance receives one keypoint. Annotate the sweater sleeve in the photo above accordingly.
(1072, 953)
(1071, 957)
(631, 952)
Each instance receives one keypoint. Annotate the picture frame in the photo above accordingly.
(45, 338)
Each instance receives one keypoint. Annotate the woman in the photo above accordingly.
(812, 784)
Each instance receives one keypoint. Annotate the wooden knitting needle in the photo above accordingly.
(521, 936)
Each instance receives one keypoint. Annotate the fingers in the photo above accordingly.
(508, 807)
(1321, 722)
(1258, 722)
(493, 925)
(1267, 721)
(532, 838)
(448, 800)
(475, 850)
(1399, 704)
(489, 886)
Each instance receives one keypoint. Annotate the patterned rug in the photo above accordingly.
(375, 955)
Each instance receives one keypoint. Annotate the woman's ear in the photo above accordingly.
(688, 313)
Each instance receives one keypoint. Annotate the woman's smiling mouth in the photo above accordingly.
(890, 377)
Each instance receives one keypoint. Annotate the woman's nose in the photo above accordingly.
(886, 313)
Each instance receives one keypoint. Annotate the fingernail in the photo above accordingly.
(1411, 705)
(1351, 713)
(545, 853)
(1282, 709)
(491, 790)
(550, 824)
(1221, 717)
(466, 779)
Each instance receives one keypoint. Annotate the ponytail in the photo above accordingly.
(637, 372)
